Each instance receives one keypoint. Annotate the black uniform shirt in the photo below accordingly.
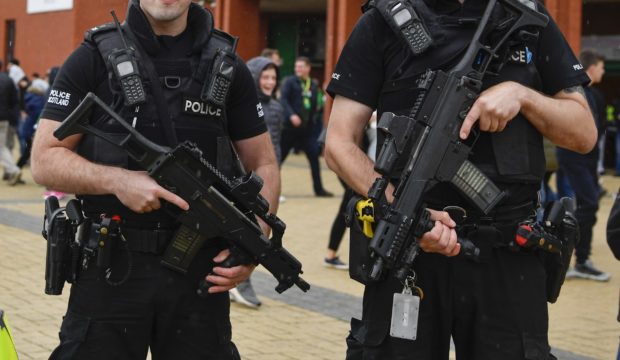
(85, 71)
(374, 57)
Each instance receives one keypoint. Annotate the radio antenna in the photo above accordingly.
(118, 27)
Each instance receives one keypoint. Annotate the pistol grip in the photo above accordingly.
(204, 285)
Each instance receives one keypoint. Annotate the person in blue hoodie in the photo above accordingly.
(34, 101)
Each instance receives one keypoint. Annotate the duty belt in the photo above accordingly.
(501, 215)
(504, 219)
(144, 237)
(150, 241)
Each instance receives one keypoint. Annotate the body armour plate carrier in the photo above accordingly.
(184, 85)
(439, 43)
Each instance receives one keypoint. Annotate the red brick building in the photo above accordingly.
(41, 33)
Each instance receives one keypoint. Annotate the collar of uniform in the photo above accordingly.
(199, 20)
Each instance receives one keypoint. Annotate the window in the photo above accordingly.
(9, 51)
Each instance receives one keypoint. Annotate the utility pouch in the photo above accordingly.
(556, 264)
(109, 234)
(216, 90)
(100, 241)
(404, 21)
(360, 262)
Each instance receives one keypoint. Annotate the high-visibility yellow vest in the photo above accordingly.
(7, 348)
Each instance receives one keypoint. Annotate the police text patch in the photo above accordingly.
(200, 108)
(59, 97)
(521, 55)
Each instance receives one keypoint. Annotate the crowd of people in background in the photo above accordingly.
(22, 99)
(293, 111)
(577, 175)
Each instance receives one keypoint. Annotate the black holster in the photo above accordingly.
(63, 251)
(556, 264)
(58, 256)
(360, 261)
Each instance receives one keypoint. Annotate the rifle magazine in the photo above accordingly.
(477, 187)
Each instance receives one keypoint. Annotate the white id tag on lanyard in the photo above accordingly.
(405, 311)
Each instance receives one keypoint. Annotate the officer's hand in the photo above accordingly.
(141, 193)
(442, 238)
(494, 108)
(225, 279)
(295, 120)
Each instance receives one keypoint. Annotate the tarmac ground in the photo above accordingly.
(291, 325)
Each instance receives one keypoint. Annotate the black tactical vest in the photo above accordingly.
(513, 155)
(181, 81)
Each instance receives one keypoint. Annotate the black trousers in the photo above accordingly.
(495, 309)
(155, 308)
(339, 225)
(304, 138)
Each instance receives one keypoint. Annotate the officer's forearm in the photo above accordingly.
(257, 155)
(342, 152)
(56, 166)
(271, 189)
(270, 173)
(565, 118)
(352, 165)
(73, 174)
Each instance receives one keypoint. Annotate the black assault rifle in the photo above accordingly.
(429, 140)
(218, 206)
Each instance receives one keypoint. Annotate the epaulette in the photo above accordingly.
(90, 33)
(530, 3)
(224, 41)
(368, 4)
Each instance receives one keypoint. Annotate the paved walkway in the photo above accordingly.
(290, 325)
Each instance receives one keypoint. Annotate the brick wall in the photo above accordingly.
(42, 40)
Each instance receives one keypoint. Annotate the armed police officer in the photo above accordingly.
(493, 308)
(175, 51)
